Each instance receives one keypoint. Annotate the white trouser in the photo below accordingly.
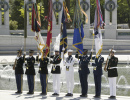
(112, 83)
(56, 83)
(70, 81)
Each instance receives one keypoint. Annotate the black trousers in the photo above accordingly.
(84, 82)
(31, 82)
(97, 80)
(19, 82)
(44, 81)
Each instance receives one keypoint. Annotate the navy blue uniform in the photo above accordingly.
(30, 72)
(83, 72)
(19, 73)
(43, 70)
(97, 71)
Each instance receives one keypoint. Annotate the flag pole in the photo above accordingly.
(25, 27)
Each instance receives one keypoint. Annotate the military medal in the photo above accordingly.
(67, 68)
(94, 68)
(27, 67)
(79, 68)
(39, 68)
(54, 68)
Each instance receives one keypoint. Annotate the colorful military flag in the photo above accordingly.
(49, 31)
(78, 28)
(98, 24)
(63, 36)
(36, 24)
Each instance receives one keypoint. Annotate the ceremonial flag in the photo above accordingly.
(78, 28)
(98, 24)
(78, 39)
(63, 36)
(49, 31)
(36, 24)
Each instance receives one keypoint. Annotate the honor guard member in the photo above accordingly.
(69, 63)
(112, 73)
(97, 71)
(84, 71)
(30, 71)
(43, 70)
(56, 72)
(18, 67)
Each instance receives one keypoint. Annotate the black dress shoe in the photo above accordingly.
(112, 97)
(55, 94)
(83, 95)
(43, 93)
(30, 92)
(69, 94)
(96, 96)
(18, 92)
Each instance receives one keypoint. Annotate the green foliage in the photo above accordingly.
(13, 25)
(17, 11)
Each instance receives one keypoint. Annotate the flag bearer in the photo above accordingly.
(18, 67)
(83, 72)
(30, 71)
(112, 73)
(69, 63)
(97, 71)
(43, 70)
(56, 71)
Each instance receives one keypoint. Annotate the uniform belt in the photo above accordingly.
(112, 67)
(56, 64)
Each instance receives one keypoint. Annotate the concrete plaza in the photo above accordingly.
(10, 95)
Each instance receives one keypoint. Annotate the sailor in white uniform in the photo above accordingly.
(69, 71)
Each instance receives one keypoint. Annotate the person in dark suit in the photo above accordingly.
(56, 70)
(112, 73)
(18, 67)
(43, 70)
(97, 71)
(83, 71)
(30, 71)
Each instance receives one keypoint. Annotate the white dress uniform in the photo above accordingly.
(69, 71)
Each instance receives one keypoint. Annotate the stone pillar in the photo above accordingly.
(87, 25)
(29, 32)
(55, 27)
(4, 29)
(110, 29)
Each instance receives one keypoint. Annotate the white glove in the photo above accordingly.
(63, 49)
(91, 63)
(23, 64)
(38, 54)
(38, 64)
(92, 50)
(108, 57)
(24, 53)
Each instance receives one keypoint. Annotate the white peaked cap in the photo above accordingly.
(70, 50)
(56, 48)
(112, 50)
